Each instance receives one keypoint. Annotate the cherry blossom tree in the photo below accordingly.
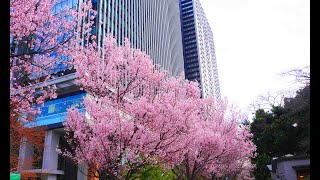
(220, 146)
(41, 44)
(136, 114)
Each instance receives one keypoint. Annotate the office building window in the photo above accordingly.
(37, 156)
(61, 159)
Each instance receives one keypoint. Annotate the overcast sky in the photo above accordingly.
(255, 40)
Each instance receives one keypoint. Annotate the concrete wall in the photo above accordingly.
(285, 170)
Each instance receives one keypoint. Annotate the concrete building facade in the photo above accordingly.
(290, 167)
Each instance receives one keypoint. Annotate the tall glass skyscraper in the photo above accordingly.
(198, 48)
(151, 25)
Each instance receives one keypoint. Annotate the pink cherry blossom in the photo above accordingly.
(137, 114)
(219, 146)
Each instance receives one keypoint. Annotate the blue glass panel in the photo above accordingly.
(53, 9)
(55, 111)
(75, 3)
(70, 3)
(64, 4)
(58, 7)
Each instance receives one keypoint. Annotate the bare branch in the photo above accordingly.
(302, 75)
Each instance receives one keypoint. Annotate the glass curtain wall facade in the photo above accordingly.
(161, 34)
(56, 9)
(151, 25)
(189, 39)
(198, 49)
(120, 18)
